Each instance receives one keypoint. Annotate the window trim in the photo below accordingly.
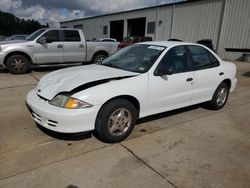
(208, 52)
(188, 57)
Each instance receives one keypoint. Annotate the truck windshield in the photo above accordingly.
(135, 58)
(34, 35)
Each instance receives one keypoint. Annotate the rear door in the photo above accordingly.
(207, 71)
(51, 51)
(74, 46)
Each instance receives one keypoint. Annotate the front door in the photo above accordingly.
(51, 51)
(171, 91)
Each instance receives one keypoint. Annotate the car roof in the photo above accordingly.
(168, 44)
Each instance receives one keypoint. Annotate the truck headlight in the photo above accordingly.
(65, 101)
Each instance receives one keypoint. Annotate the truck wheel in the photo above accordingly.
(98, 58)
(17, 64)
(115, 121)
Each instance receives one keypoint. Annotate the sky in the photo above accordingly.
(54, 11)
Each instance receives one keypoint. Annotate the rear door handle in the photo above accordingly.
(189, 79)
(221, 73)
(81, 46)
(59, 46)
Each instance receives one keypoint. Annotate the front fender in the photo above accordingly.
(12, 49)
(134, 86)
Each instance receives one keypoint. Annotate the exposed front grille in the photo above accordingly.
(36, 116)
(52, 123)
(41, 120)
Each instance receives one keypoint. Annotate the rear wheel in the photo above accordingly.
(17, 64)
(115, 121)
(98, 58)
(220, 97)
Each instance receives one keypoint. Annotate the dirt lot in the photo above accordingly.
(191, 147)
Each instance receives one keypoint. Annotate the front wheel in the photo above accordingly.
(220, 97)
(17, 64)
(115, 121)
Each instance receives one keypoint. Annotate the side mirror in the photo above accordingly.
(42, 40)
(163, 71)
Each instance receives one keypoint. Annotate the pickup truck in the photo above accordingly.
(52, 46)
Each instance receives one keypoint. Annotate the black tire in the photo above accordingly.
(104, 122)
(17, 64)
(217, 101)
(98, 58)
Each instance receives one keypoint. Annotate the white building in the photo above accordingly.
(226, 22)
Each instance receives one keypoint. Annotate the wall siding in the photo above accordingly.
(235, 31)
(228, 26)
(197, 20)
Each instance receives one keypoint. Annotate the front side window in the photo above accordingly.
(176, 59)
(51, 36)
(202, 58)
(71, 36)
(135, 58)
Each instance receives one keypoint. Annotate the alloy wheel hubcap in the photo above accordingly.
(119, 122)
(221, 96)
(100, 60)
(18, 64)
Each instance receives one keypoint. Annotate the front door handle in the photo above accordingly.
(81, 46)
(59, 46)
(189, 79)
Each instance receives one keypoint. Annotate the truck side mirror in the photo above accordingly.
(42, 40)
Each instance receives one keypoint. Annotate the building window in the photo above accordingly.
(151, 28)
(105, 30)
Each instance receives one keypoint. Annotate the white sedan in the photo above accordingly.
(137, 81)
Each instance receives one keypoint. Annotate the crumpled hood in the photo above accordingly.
(66, 80)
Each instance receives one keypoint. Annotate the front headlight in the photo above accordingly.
(68, 102)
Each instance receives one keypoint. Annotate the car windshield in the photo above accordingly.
(34, 35)
(135, 58)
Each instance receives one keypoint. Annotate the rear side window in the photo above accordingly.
(202, 58)
(71, 36)
(52, 36)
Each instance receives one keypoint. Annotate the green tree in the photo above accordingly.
(10, 25)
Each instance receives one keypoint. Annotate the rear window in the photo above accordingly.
(71, 36)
